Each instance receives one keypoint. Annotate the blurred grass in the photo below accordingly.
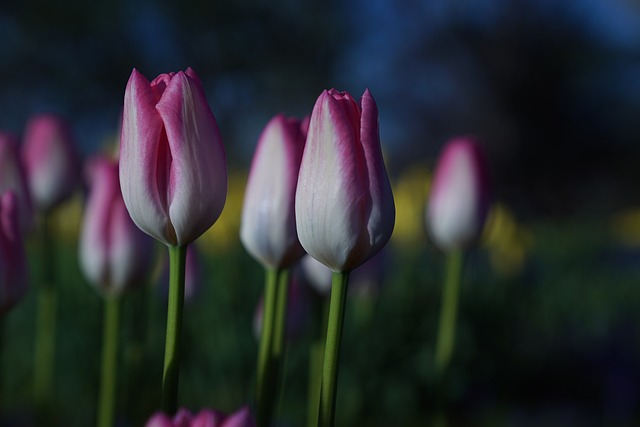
(554, 344)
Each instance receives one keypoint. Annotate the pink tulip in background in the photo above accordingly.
(344, 205)
(459, 200)
(205, 418)
(13, 177)
(173, 169)
(13, 262)
(50, 159)
(268, 226)
(114, 253)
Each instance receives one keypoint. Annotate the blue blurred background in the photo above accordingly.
(551, 86)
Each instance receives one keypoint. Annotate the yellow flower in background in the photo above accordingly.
(410, 192)
(225, 233)
(67, 217)
(625, 227)
(506, 240)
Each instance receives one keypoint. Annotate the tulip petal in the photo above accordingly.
(240, 418)
(330, 187)
(197, 181)
(141, 150)
(381, 217)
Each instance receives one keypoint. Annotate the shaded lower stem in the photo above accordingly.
(45, 342)
(266, 375)
(448, 312)
(110, 329)
(339, 283)
(171, 371)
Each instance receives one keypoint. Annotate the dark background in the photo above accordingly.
(552, 86)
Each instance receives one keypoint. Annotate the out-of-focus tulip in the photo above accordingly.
(459, 199)
(173, 169)
(205, 418)
(13, 178)
(51, 161)
(268, 228)
(344, 205)
(114, 253)
(13, 262)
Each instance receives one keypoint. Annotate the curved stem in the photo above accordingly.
(448, 312)
(339, 283)
(110, 329)
(171, 372)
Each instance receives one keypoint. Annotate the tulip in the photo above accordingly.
(13, 177)
(268, 232)
(268, 228)
(51, 161)
(344, 204)
(173, 170)
(13, 262)
(459, 200)
(344, 207)
(204, 418)
(173, 177)
(457, 208)
(114, 254)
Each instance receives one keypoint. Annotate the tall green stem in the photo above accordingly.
(45, 343)
(171, 372)
(448, 312)
(110, 329)
(339, 284)
(271, 344)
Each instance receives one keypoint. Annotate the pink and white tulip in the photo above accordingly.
(268, 226)
(13, 178)
(13, 262)
(50, 159)
(344, 205)
(204, 418)
(173, 169)
(459, 200)
(114, 254)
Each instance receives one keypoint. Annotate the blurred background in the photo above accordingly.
(549, 324)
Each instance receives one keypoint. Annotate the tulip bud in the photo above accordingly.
(13, 177)
(50, 160)
(459, 199)
(268, 228)
(13, 262)
(344, 204)
(114, 253)
(173, 170)
(205, 418)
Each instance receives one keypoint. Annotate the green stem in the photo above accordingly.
(45, 343)
(339, 283)
(110, 329)
(448, 312)
(280, 328)
(265, 388)
(171, 372)
(316, 357)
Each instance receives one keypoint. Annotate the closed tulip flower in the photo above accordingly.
(173, 170)
(13, 177)
(114, 253)
(344, 208)
(13, 263)
(459, 199)
(51, 161)
(344, 204)
(268, 228)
